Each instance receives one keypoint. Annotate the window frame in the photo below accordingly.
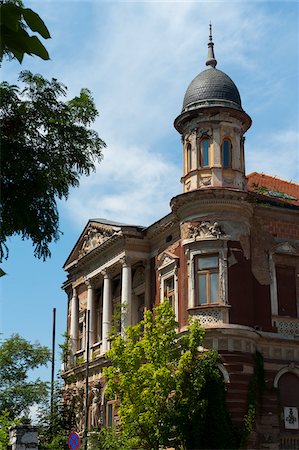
(188, 157)
(229, 154)
(169, 268)
(204, 152)
(205, 248)
(207, 273)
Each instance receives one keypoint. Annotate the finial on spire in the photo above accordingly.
(211, 61)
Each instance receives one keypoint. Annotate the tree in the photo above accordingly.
(169, 392)
(17, 393)
(46, 146)
(15, 40)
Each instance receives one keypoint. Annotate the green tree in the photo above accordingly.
(46, 145)
(166, 388)
(17, 393)
(15, 41)
(55, 425)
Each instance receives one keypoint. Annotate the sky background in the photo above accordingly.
(138, 59)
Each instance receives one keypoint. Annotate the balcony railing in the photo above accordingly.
(286, 325)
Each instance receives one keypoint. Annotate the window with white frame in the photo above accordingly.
(207, 274)
(207, 280)
(169, 290)
(169, 281)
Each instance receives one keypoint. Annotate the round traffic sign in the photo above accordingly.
(74, 440)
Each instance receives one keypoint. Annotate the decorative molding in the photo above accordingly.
(166, 259)
(95, 237)
(205, 229)
(204, 181)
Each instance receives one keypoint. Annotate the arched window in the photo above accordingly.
(188, 157)
(204, 153)
(226, 153)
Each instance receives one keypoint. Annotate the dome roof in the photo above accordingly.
(212, 87)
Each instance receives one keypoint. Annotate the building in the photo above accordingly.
(227, 253)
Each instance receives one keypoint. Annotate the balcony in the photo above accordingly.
(288, 326)
(210, 315)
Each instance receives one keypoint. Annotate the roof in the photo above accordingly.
(273, 187)
(212, 87)
(115, 224)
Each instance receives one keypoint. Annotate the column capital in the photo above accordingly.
(89, 283)
(125, 261)
(74, 291)
(106, 273)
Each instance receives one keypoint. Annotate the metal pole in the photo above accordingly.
(86, 381)
(53, 366)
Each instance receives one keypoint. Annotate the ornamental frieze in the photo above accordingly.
(93, 238)
(201, 230)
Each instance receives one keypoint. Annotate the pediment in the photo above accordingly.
(166, 259)
(286, 248)
(94, 235)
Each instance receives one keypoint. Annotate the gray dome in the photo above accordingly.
(212, 88)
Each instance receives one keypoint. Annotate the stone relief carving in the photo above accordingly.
(205, 181)
(205, 229)
(93, 238)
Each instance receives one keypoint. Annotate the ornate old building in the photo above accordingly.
(227, 253)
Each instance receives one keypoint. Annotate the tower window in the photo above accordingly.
(204, 152)
(188, 157)
(226, 153)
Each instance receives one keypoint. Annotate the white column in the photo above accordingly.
(107, 310)
(74, 328)
(91, 306)
(126, 294)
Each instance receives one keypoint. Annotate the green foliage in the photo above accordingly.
(15, 41)
(5, 424)
(255, 396)
(46, 145)
(64, 347)
(17, 357)
(169, 392)
(56, 425)
(110, 439)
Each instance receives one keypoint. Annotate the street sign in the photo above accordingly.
(74, 441)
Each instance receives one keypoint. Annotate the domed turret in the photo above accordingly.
(212, 124)
(211, 87)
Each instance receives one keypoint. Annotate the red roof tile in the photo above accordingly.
(273, 187)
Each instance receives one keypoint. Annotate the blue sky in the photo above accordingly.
(138, 58)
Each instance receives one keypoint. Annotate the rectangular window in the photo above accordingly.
(169, 290)
(81, 335)
(207, 280)
(109, 414)
(286, 291)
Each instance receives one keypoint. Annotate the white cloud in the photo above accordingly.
(141, 58)
(275, 154)
(131, 185)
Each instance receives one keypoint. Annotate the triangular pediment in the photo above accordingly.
(166, 259)
(94, 235)
(286, 248)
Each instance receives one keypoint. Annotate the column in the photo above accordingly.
(74, 327)
(147, 294)
(107, 310)
(91, 306)
(126, 294)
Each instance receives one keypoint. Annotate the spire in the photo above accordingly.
(211, 61)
